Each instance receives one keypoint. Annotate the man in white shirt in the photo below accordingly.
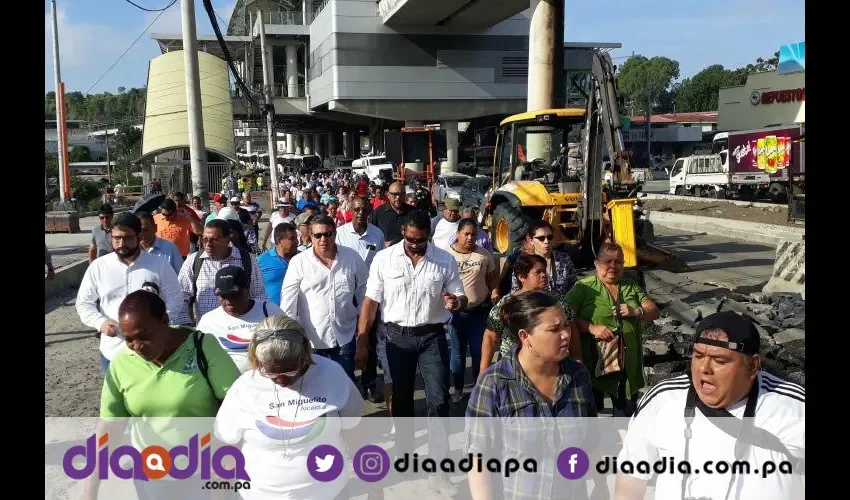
(283, 214)
(682, 418)
(366, 239)
(233, 321)
(417, 286)
(323, 289)
(112, 277)
(447, 226)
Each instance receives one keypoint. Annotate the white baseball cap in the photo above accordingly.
(227, 213)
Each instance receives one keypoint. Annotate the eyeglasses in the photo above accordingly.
(273, 376)
(125, 237)
(318, 236)
(395, 193)
(545, 237)
(417, 241)
(612, 263)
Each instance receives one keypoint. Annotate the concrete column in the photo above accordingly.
(307, 11)
(346, 145)
(317, 146)
(307, 141)
(540, 54)
(450, 129)
(299, 144)
(248, 147)
(414, 123)
(291, 71)
(331, 144)
(290, 144)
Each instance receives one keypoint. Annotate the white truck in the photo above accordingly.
(375, 167)
(708, 176)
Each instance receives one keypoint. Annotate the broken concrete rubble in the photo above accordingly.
(779, 318)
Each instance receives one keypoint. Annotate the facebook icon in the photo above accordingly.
(573, 463)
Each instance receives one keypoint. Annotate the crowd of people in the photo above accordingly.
(198, 317)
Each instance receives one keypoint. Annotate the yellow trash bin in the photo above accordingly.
(623, 224)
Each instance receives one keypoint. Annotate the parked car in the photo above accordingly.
(473, 190)
(449, 186)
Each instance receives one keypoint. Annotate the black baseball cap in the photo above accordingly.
(230, 280)
(742, 333)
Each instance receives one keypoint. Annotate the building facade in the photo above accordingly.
(767, 99)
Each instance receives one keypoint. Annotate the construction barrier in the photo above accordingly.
(789, 270)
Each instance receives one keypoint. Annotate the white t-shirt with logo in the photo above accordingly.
(280, 425)
(657, 432)
(234, 332)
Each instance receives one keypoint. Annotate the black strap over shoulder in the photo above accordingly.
(265, 310)
(203, 365)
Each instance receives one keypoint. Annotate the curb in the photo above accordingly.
(659, 196)
(767, 234)
(67, 277)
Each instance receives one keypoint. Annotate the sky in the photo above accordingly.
(94, 33)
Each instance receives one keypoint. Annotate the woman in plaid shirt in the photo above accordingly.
(536, 380)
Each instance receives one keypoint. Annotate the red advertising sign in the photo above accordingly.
(766, 151)
(778, 96)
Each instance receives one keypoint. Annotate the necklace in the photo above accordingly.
(286, 446)
(469, 254)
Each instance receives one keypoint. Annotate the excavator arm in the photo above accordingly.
(605, 107)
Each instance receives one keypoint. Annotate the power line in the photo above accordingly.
(131, 46)
(151, 10)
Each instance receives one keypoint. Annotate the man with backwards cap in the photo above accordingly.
(726, 411)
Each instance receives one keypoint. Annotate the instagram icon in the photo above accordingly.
(371, 463)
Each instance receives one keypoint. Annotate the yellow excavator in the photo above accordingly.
(550, 164)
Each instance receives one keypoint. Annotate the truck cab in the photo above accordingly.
(699, 175)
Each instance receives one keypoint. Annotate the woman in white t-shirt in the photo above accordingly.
(286, 404)
(232, 323)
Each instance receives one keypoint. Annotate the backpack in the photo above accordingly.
(196, 270)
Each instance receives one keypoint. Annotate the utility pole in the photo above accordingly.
(197, 145)
(267, 61)
(108, 170)
(61, 147)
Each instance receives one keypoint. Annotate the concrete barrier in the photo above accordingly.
(740, 203)
(67, 277)
(789, 270)
(755, 232)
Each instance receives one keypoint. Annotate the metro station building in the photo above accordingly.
(343, 71)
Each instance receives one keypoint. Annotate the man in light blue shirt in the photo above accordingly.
(275, 261)
(158, 246)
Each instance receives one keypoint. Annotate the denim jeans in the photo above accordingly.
(104, 365)
(342, 354)
(430, 353)
(467, 332)
(369, 374)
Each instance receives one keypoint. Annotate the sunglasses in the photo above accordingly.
(328, 235)
(548, 237)
(418, 241)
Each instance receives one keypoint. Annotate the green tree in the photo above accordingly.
(643, 82)
(700, 92)
(79, 153)
(127, 145)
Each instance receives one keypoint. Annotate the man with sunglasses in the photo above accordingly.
(417, 287)
(323, 289)
(389, 217)
(101, 240)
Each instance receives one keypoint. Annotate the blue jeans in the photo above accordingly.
(342, 354)
(467, 332)
(104, 365)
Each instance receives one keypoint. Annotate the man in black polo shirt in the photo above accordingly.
(389, 217)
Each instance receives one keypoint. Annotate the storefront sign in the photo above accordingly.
(777, 96)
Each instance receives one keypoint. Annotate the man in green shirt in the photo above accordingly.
(159, 375)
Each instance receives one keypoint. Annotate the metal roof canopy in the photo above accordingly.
(206, 43)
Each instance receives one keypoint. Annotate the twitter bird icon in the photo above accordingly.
(324, 463)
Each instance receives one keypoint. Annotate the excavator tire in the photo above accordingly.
(508, 228)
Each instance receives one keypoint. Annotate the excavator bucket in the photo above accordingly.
(652, 255)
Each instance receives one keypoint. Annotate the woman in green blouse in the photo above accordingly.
(596, 300)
